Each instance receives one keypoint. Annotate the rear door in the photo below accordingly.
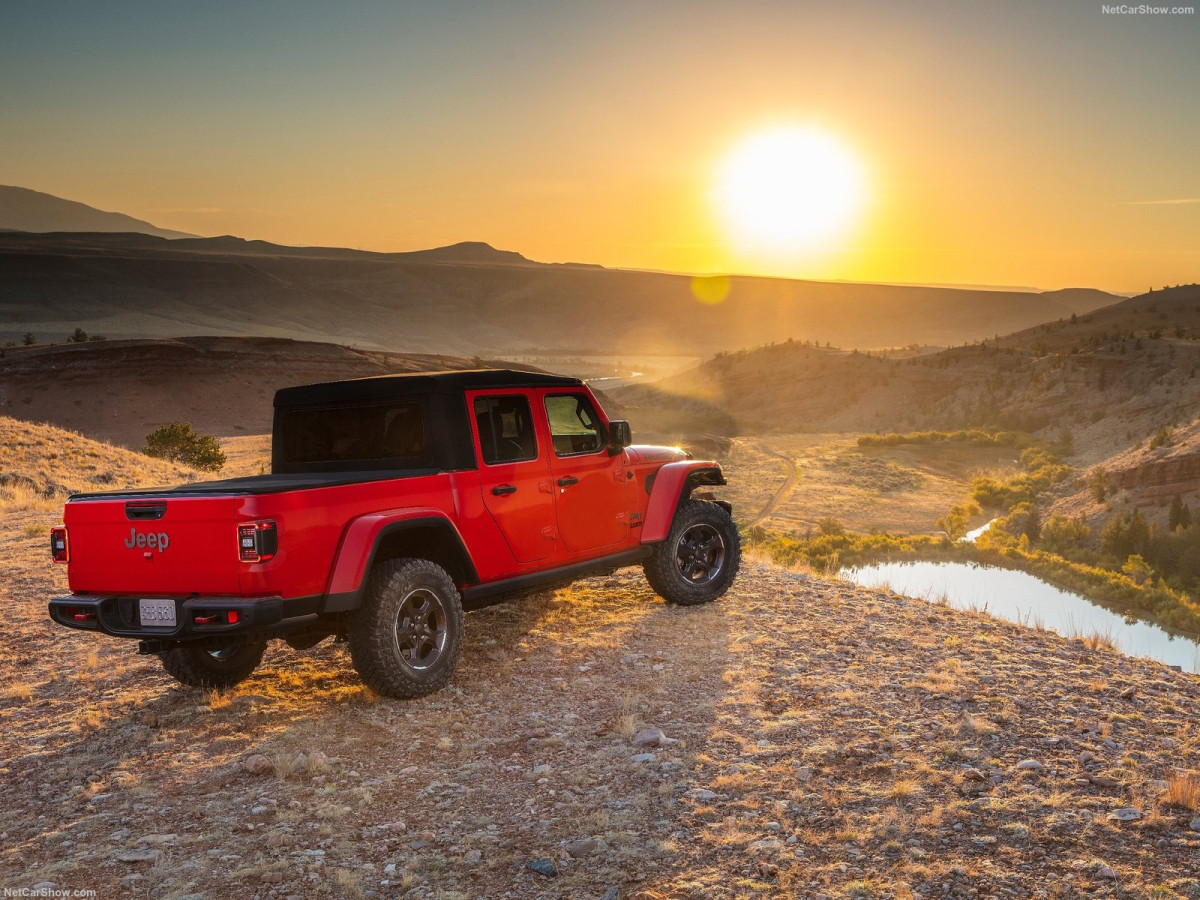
(514, 471)
(590, 485)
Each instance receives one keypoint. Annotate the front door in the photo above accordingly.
(514, 472)
(590, 485)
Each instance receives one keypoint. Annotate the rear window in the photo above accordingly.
(389, 435)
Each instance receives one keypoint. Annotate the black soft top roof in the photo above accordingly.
(379, 387)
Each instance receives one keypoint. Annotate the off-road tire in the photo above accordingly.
(699, 558)
(390, 637)
(211, 666)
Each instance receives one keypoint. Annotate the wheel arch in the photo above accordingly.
(674, 483)
(376, 538)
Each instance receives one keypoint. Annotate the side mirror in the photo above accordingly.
(619, 436)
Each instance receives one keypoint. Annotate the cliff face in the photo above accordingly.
(1154, 479)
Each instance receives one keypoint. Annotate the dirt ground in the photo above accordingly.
(801, 737)
(799, 479)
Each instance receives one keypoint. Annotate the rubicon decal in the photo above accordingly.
(154, 540)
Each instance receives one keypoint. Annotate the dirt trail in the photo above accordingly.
(784, 489)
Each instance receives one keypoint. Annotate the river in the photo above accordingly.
(1022, 598)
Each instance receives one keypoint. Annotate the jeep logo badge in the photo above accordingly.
(153, 540)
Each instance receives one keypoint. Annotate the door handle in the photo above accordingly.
(569, 480)
(504, 489)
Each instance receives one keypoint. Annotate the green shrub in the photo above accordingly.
(178, 442)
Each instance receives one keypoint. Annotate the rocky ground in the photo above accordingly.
(801, 737)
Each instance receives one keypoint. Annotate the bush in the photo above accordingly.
(178, 442)
(79, 337)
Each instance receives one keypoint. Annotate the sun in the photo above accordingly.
(789, 189)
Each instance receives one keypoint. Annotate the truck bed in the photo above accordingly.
(261, 484)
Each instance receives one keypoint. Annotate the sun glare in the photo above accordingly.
(789, 189)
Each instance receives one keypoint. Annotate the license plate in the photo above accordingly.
(157, 613)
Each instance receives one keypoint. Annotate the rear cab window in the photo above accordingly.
(380, 435)
(575, 426)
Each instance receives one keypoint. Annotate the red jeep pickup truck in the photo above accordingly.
(393, 504)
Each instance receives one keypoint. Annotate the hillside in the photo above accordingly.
(1107, 378)
(467, 299)
(120, 390)
(24, 210)
(817, 740)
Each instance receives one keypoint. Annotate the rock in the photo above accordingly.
(613, 893)
(973, 774)
(45, 886)
(543, 867)
(397, 827)
(272, 878)
(158, 840)
(1103, 781)
(119, 835)
(543, 769)
(1029, 765)
(1195, 824)
(131, 879)
(257, 764)
(773, 826)
(1087, 757)
(1125, 814)
(149, 719)
(389, 869)
(1106, 872)
(585, 847)
(472, 857)
(1127, 693)
(142, 854)
(420, 845)
(642, 758)
(652, 737)
(701, 794)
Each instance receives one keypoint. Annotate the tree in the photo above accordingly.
(1097, 481)
(1179, 516)
(178, 442)
(29, 340)
(79, 337)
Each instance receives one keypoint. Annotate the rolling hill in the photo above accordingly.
(24, 210)
(467, 299)
(119, 390)
(1109, 377)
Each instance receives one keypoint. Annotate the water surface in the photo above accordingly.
(1026, 599)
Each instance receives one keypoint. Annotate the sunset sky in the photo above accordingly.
(1007, 143)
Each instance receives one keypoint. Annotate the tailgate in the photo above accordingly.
(153, 546)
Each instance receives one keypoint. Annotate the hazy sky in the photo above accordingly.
(1005, 142)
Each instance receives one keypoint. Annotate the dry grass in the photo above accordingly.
(1183, 791)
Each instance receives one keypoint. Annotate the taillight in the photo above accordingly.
(257, 541)
(59, 549)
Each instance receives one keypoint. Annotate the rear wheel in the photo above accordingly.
(406, 638)
(213, 666)
(700, 557)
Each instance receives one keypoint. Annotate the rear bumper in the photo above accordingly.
(118, 616)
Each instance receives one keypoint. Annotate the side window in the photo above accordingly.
(505, 429)
(574, 425)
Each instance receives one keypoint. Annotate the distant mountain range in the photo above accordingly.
(24, 210)
(469, 299)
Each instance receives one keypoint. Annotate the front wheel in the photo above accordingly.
(214, 667)
(700, 557)
(406, 637)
